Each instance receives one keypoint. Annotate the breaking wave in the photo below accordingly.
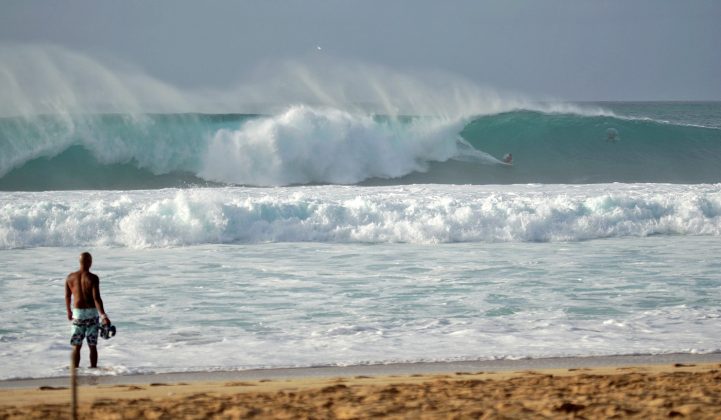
(311, 145)
(339, 214)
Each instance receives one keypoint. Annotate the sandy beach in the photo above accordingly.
(670, 390)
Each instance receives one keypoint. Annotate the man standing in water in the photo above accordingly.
(83, 289)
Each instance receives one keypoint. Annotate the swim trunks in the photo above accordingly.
(85, 326)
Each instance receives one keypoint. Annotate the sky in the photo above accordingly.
(565, 49)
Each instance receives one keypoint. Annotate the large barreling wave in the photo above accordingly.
(324, 145)
(68, 121)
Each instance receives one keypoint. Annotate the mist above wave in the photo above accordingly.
(46, 79)
(311, 121)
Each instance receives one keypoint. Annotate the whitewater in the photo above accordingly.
(339, 229)
(415, 214)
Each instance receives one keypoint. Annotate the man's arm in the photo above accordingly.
(68, 295)
(99, 301)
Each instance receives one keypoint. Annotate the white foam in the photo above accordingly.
(337, 214)
(308, 304)
(306, 145)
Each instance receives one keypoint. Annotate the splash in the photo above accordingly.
(337, 214)
(306, 145)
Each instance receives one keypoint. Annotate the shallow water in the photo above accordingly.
(242, 306)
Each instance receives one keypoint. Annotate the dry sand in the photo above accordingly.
(653, 391)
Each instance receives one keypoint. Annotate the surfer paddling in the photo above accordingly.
(85, 307)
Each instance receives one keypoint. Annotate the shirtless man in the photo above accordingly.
(83, 289)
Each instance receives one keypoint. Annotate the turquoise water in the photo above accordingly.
(652, 142)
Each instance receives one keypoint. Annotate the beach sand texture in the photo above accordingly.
(684, 391)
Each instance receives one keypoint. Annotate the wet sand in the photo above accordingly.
(656, 391)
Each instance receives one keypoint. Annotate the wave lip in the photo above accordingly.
(414, 214)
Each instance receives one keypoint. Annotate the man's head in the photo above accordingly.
(86, 260)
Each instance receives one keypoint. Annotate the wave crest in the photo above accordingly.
(309, 145)
(306, 145)
(337, 214)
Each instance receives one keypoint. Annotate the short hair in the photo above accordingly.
(86, 260)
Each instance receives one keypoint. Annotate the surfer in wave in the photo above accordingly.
(611, 135)
(508, 159)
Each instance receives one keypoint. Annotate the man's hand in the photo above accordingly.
(105, 319)
(70, 316)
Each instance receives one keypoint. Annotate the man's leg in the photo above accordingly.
(93, 356)
(91, 334)
(76, 340)
(76, 354)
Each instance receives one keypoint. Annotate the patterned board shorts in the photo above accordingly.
(85, 326)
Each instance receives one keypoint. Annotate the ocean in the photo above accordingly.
(323, 236)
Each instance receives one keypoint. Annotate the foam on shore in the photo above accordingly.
(400, 369)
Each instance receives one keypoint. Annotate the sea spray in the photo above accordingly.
(47, 79)
(52, 80)
(71, 121)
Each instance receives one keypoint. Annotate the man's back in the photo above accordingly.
(82, 285)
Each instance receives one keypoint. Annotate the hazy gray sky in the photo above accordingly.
(570, 49)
